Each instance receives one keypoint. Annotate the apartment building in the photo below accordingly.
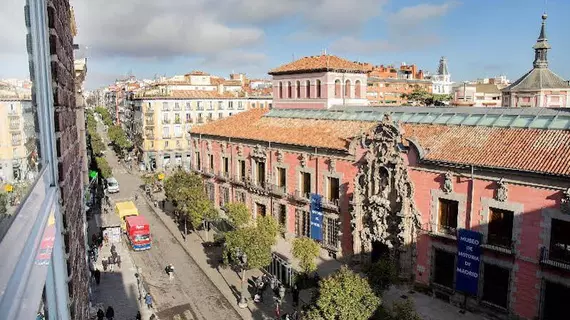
(164, 116)
(390, 91)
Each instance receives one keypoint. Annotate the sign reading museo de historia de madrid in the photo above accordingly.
(468, 261)
(316, 217)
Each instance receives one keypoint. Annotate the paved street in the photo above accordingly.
(191, 295)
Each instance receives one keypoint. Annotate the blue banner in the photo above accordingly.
(468, 261)
(316, 217)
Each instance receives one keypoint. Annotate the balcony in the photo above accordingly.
(223, 175)
(177, 121)
(177, 108)
(280, 191)
(238, 179)
(555, 257)
(499, 243)
(14, 126)
(208, 172)
(441, 231)
(16, 142)
(166, 136)
(200, 120)
(188, 107)
(149, 110)
(199, 108)
(149, 135)
(301, 196)
(165, 108)
(256, 186)
(331, 204)
(188, 120)
(149, 122)
(165, 121)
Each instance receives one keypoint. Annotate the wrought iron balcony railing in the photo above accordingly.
(558, 257)
(277, 190)
(440, 230)
(331, 204)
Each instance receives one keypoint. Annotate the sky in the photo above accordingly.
(480, 38)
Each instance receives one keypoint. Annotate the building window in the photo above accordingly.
(198, 161)
(211, 160)
(281, 177)
(260, 210)
(308, 88)
(560, 241)
(188, 106)
(496, 285)
(165, 106)
(240, 105)
(166, 143)
(210, 105)
(176, 106)
(330, 232)
(224, 196)
(240, 196)
(500, 229)
(298, 89)
(318, 86)
(447, 219)
(210, 116)
(177, 118)
(305, 184)
(347, 88)
(444, 268)
(226, 165)
(220, 105)
(333, 189)
(188, 118)
(289, 90)
(260, 173)
(280, 90)
(555, 300)
(337, 88)
(281, 214)
(210, 191)
(302, 223)
(165, 132)
(241, 170)
(357, 88)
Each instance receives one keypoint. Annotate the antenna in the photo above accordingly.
(545, 6)
(293, 54)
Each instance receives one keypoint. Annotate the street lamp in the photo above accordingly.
(242, 257)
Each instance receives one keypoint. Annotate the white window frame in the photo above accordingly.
(22, 275)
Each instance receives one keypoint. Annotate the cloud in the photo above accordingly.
(414, 16)
(372, 47)
(165, 28)
(235, 59)
(13, 52)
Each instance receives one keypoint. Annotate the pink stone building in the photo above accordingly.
(399, 182)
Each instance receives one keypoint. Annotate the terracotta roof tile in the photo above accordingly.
(320, 63)
(536, 150)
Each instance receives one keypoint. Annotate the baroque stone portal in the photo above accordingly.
(384, 210)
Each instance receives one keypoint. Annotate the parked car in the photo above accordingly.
(112, 185)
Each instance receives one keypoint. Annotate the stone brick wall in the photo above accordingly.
(68, 153)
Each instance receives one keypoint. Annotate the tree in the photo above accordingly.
(344, 295)
(105, 115)
(306, 250)
(238, 214)
(404, 310)
(97, 145)
(382, 274)
(104, 167)
(119, 139)
(418, 96)
(3, 203)
(186, 192)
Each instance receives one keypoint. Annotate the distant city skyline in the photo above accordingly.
(252, 36)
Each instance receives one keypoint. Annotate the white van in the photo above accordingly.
(112, 185)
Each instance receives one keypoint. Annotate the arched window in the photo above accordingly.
(298, 89)
(357, 89)
(347, 88)
(308, 89)
(318, 85)
(289, 90)
(337, 88)
(280, 90)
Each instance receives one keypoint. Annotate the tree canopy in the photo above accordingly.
(306, 250)
(104, 167)
(255, 240)
(238, 214)
(118, 137)
(105, 115)
(186, 191)
(344, 295)
(421, 97)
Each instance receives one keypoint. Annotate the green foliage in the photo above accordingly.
(186, 192)
(118, 137)
(382, 274)
(150, 179)
(306, 250)
(344, 295)
(404, 310)
(97, 144)
(238, 214)
(104, 167)
(254, 240)
(3, 203)
(423, 98)
(105, 115)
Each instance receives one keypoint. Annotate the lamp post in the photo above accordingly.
(242, 257)
(185, 213)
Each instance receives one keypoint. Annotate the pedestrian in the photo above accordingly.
(113, 249)
(148, 300)
(110, 314)
(111, 262)
(295, 293)
(138, 317)
(97, 276)
(100, 314)
(118, 261)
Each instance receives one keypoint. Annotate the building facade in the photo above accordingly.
(539, 87)
(442, 80)
(476, 95)
(319, 82)
(401, 182)
(162, 121)
(390, 91)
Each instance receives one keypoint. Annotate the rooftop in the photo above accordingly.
(322, 63)
(535, 140)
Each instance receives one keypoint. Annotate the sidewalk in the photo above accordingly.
(225, 279)
(118, 286)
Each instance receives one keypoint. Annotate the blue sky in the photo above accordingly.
(480, 38)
